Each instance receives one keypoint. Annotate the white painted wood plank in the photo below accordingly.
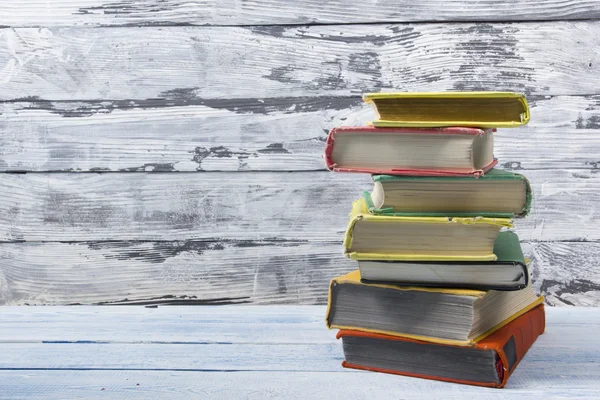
(238, 357)
(566, 273)
(249, 206)
(227, 325)
(100, 137)
(556, 58)
(170, 272)
(170, 12)
(179, 357)
(176, 324)
(167, 206)
(548, 381)
(563, 362)
(236, 272)
(240, 135)
(569, 343)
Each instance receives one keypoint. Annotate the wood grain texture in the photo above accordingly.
(267, 272)
(167, 206)
(274, 12)
(560, 58)
(261, 98)
(550, 381)
(220, 272)
(566, 273)
(177, 356)
(249, 206)
(565, 342)
(284, 134)
(261, 352)
(247, 324)
(212, 325)
(246, 357)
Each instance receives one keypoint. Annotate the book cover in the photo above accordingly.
(492, 175)
(508, 252)
(360, 213)
(353, 278)
(438, 109)
(511, 342)
(331, 165)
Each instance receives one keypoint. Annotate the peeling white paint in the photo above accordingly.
(106, 12)
(306, 60)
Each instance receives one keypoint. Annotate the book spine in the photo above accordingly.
(530, 326)
(528, 199)
(329, 149)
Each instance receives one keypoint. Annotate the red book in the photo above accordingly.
(452, 151)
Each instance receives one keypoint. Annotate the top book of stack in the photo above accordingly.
(426, 110)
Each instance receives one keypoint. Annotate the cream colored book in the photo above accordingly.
(379, 237)
(450, 316)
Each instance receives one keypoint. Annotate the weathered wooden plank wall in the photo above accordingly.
(250, 205)
(270, 12)
(283, 134)
(144, 161)
(174, 63)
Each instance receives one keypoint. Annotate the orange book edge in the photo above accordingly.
(523, 330)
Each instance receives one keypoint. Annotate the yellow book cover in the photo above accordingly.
(400, 238)
(441, 109)
(527, 298)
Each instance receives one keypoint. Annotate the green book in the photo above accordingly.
(497, 194)
(508, 272)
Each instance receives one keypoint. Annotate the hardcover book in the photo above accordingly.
(499, 193)
(410, 151)
(380, 237)
(450, 316)
(489, 362)
(478, 109)
(508, 272)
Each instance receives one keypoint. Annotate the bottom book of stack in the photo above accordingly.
(456, 335)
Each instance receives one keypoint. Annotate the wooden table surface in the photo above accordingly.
(250, 352)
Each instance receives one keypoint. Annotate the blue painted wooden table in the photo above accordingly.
(250, 352)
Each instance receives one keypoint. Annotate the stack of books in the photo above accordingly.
(442, 288)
